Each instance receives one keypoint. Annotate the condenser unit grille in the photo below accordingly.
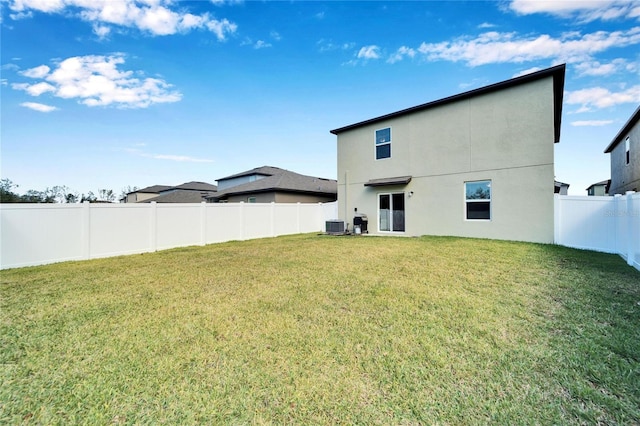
(334, 227)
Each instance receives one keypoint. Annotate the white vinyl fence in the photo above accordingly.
(607, 224)
(35, 234)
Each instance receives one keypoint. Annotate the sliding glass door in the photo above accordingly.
(391, 212)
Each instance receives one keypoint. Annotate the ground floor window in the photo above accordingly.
(478, 200)
(391, 212)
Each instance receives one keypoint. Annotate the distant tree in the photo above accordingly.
(126, 190)
(6, 192)
(31, 196)
(90, 197)
(71, 198)
(106, 195)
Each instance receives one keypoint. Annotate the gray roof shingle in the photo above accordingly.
(278, 180)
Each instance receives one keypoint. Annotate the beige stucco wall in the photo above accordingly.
(136, 197)
(505, 136)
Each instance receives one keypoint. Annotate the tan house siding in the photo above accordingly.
(626, 177)
(280, 197)
(506, 136)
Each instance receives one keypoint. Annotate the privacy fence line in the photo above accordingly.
(36, 234)
(607, 224)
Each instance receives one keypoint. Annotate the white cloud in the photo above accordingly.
(599, 97)
(401, 53)
(181, 158)
(34, 89)
(495, 47)
(102, 31)
(527, 71)
(261, 44)
(328, 45)
(591, 123)
(486, 25)
(37, 72)
(153, 16)
(581, 10)
(369, 52)
(595, 68)
(170, 157)
(38, 107)
(97, 81)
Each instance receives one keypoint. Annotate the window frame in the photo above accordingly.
(391, 210)
(381, 144)
(627, 149)
(252, 200)
(479, 200)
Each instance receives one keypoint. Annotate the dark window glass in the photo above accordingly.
(383, 135)
(383, 151)
(479, 210)
(398, 212)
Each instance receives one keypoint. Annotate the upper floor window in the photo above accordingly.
(626, 149)
(478, 200)
(383, 143)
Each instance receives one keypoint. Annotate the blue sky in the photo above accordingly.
(107, 94)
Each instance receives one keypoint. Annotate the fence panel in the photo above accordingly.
(223, 222)
(50, 233)
(586, 223)
(35, 234)
(178, 225)
(607, 224)
(116, 229)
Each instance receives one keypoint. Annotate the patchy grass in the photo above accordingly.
(322, 330)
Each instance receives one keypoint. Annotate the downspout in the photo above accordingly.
(346, 199)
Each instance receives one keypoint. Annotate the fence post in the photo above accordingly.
(272, 212)
(616, 223)
(203, 223)
(298, 217)
(86, 230)
(153, 227)
(242, 221)
(557, 217)
(630, 233)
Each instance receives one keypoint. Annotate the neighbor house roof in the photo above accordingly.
(558, 183)
(276, 179)
(556, 72)
(625, 129)
(604, 183)
(180, 196)
(154, 189)
(264, 171)
(196, 186)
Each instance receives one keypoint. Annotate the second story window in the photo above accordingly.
(383, 143)
(626, 149)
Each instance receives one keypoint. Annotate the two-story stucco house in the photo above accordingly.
(476, 164)
(625, 157)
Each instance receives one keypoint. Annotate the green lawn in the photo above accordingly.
(314, 329)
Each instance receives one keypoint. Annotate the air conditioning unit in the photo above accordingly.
(334, 226)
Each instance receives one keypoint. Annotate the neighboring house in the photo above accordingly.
(625, 157)
(476, 164)
(144, 193)
(271, 184)
(190, 192)
(560, 188)
(599, 188)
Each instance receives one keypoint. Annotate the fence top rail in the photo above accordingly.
(587, 198)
